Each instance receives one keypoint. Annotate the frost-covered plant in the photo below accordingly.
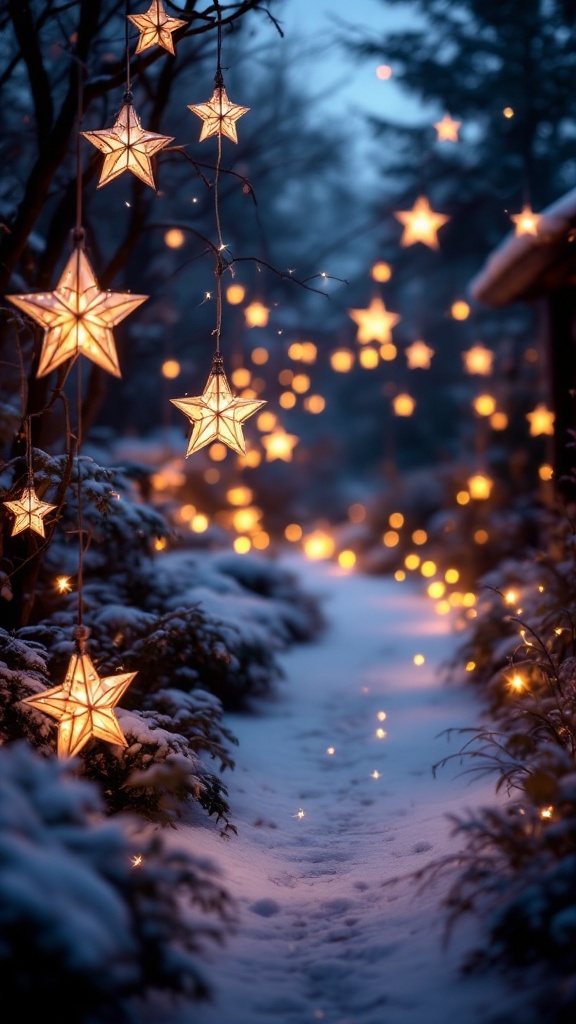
(96, 916)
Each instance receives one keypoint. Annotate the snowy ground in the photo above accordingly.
(321, 937)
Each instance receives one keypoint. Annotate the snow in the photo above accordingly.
(324, 932)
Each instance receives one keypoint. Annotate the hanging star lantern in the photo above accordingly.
(478, 359)
(419, 355)
(78, 317)
(447, 129)
(421, 224)
(155, 27)
(219, 116)
(526, 222)
(83, 705)
(127, 147)
(374, 323)
(29, 512)
(279, 445)
(216, 414)
(541, 420)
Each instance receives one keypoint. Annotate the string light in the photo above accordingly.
(541, 421)
(421, 224)
(419, 355)
(375, 323)
(447, 129)
(526, 222)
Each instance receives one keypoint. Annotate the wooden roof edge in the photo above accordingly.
(511, 272)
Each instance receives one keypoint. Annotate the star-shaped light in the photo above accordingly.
(447, 129)
(219, 116)
(421, 224)
(29, 512)
(526, 222)
(127, 147)
(279, 445)
(216, 414)
(478, 359)
(541, 421)
(374, 323)
(78, 317)
(419, 355)
(83, 706)
(155, 27)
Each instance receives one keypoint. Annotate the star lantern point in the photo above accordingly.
(77, 317)
(216, 414)
(218, 115)
(127, 147)
(421, 224)
(83, 705)
(155, 27)
(374, 323)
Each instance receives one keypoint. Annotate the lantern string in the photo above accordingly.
(29, 452)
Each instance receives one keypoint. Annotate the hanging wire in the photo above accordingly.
(128, 94)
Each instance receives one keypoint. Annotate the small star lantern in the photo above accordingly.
(478, 359)
(447, 129)
(216, 414)
(155, 27)
(419, 355)
(526, 222)
(374, 323)
(29, 512)
(78, 317)
(421, 224)
(279, 445)
(84, 704)
(541, 421)
(218, 115)
(127, 147)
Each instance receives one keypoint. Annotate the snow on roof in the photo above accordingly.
(525, 267)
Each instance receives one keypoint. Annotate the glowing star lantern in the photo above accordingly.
(541, 421)
(478, 359)
(374, 323)
(421, 224)
(279, 445)
(216, 414)
(29, 512)
(256, 314)
(78, 317)
(127, 147)
(447, 129)
(526, 222)
(219, 116)
(419, 355)
(155, 27)
(83, 705)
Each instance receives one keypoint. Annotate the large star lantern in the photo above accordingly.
(155, 27)
(374, 323)
(78, 317)
(421, 224)
(127, 147)
(84, 706)
(216, 414)
(29, 512)
(218, 115)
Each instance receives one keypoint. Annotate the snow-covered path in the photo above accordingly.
(321, 937)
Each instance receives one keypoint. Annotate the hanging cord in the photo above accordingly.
(80, 632)
(128, 94)
(219, 269)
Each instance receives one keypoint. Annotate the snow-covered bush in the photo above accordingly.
(96, 916)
